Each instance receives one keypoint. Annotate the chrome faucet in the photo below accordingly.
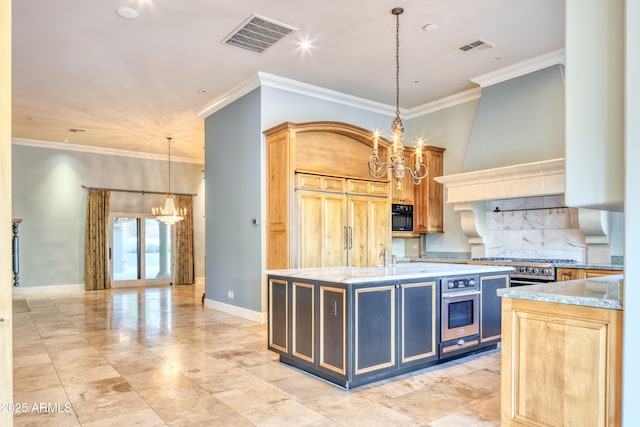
(384, 254)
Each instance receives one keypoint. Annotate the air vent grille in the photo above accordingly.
(257, 34)
(476, 46)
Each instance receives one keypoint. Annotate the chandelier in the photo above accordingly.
(379, 169)
(168, 213)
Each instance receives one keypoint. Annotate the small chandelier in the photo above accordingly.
(379, 169)
(168, 213)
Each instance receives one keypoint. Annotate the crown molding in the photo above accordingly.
(447, 102)
(293, 86)
(101, 150)
(225, 98)
(520, 69)
(301, 88)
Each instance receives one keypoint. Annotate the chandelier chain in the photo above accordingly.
(398, 65)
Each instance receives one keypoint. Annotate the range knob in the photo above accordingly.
(545, 271)
(529, 269)
(536, 271)
(522, 269)
(472, 282)
(450, 284)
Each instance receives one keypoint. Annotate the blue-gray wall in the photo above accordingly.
(233, 198)
(48, 196)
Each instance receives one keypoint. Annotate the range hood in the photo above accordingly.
(516, 150)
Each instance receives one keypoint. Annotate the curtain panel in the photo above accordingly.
(185, 268)
(96, 268)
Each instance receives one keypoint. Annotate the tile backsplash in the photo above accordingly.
(534, 227)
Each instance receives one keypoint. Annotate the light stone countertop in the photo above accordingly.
(591, 266)
(600, 292)
(414, 270)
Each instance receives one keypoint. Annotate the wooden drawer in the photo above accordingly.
(369, 188)
(320, 183)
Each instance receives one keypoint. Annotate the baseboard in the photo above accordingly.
(30, 290)
(244, 313)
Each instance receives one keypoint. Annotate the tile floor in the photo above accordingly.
(157, 357)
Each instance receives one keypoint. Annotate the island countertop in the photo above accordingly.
(600, 292)
(353, 275)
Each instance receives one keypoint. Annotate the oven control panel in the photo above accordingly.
(459, 283)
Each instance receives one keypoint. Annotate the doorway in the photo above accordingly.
(140, 252)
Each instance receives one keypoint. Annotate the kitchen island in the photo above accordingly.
(562, 353)
(352, 326)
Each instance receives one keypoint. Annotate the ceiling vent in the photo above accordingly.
(258, 34)
(76, 130)
(476, 46)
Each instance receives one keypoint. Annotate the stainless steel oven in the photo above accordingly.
(460, 312)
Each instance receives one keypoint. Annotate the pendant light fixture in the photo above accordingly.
(378, 169)
(168, 213)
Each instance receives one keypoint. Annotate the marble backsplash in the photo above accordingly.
(534, 227)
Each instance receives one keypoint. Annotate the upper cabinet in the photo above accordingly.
(428, 196)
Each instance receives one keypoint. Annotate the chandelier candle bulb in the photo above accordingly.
(375, 142)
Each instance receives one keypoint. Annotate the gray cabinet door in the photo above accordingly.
(490, 302)
(279, 315)
(303, 322)
(418, 322)
(374, 329)
(333, 329)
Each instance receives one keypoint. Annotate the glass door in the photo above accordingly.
(140, 252)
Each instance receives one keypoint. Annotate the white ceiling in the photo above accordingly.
(131, 83)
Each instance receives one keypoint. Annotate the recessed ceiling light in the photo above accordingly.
(127, 12)
(202, 90)
(430, 27)
(305, 44)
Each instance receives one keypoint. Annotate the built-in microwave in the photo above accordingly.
(401, 217)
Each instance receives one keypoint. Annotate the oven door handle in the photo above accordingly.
(460, 294)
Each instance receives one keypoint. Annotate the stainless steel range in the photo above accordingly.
(529, 271)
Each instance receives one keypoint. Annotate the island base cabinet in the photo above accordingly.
(490, 316)
(375, 329)
(333, 330)
(278, 290)
(561, 364)
(419, 314)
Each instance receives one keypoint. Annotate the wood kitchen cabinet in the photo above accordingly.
(428, 196)
(561, 364)
(405, 196)
(341, 229)
(565, 274)
(322, 206)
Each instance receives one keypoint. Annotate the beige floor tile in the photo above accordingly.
(144, 417)
(166, 360)
(89, 390)
(284, 413)
(109, 406)
(374, 415)
(465, 418)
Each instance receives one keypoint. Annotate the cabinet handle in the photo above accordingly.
(350, 237)
(346, 238)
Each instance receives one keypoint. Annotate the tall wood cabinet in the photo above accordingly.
(428, 196)
(340, 228)
(323, 208)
